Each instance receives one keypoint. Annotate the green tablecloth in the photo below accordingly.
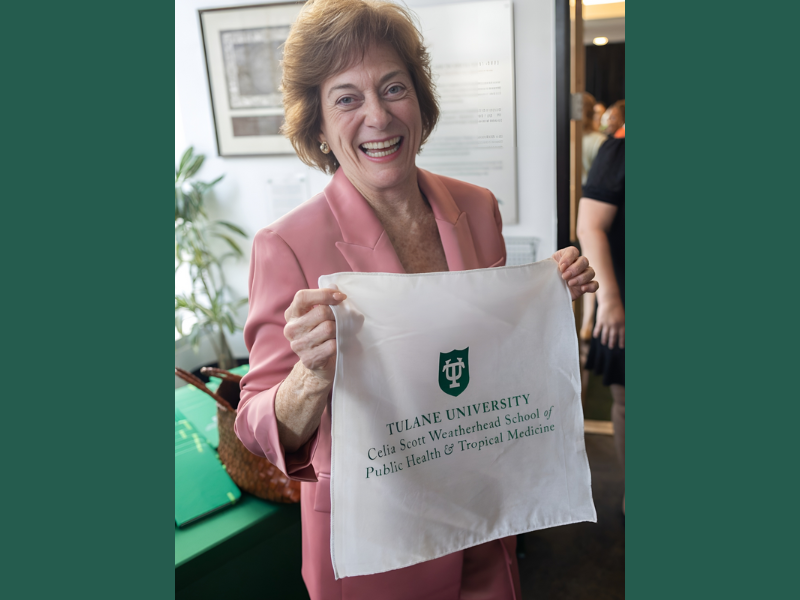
(250, 512)
(250, 550)
(201, 409)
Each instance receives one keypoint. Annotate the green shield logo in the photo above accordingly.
(454, 371)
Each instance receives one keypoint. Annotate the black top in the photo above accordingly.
(606, 183)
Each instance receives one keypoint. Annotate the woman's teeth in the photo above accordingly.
(376, 149)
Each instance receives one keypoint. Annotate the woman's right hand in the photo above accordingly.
(610, 323)
(311, 331)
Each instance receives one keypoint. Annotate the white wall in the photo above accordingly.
(242, 197)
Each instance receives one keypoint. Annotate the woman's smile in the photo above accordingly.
(383, 148)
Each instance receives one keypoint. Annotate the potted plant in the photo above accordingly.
(209, 306)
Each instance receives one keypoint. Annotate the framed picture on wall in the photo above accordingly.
(243, 52)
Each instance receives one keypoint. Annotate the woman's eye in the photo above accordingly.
(395, 89)
(345, 100)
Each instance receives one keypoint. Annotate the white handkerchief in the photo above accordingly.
(456, 413)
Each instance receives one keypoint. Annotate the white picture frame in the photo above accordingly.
(472, 55)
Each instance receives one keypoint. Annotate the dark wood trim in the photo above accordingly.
(208, 77)
(562, 122)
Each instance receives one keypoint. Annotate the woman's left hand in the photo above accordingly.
(576, 271)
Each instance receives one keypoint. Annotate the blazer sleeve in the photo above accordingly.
(498, 219)
(275, 278)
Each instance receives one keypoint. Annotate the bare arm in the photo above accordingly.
(301, 399)
(594, 222)
(587, 324)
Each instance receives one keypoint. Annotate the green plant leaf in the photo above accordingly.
(209, 306)
(232, 227)
(207, 312)
(195, 165)
(187, 156)
(234, 246)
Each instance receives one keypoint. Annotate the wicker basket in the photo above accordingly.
(252, 473)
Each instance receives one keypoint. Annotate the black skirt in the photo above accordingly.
(610, 363)
(606, 183)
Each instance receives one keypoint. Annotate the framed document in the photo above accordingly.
(243, 52)
(472, 52)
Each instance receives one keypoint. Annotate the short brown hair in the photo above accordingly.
(620, 106)
(588, 112)
(327, 38)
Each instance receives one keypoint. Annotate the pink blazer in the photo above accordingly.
(333, 232)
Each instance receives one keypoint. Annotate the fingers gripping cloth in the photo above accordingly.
(456, 414)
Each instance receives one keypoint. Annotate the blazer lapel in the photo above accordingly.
(365, 245)
(459, 249)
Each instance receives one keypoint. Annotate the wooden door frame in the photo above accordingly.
(563, 100)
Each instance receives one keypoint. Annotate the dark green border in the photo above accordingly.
(711, 242)
(713, 206)
(88, 153)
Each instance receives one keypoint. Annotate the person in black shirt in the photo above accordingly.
(601, 232)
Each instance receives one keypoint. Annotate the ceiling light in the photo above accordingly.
(600, 41)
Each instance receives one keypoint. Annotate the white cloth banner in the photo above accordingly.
(456, 413)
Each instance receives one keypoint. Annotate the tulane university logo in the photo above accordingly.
(454, 371)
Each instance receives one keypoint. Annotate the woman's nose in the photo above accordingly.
(376, 114)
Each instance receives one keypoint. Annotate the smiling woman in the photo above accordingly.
(360, 103)
(331, 37)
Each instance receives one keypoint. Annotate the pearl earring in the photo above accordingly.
(324, 147)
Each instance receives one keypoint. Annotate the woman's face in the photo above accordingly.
(599, 109)
(614, 120)
(372, 122)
